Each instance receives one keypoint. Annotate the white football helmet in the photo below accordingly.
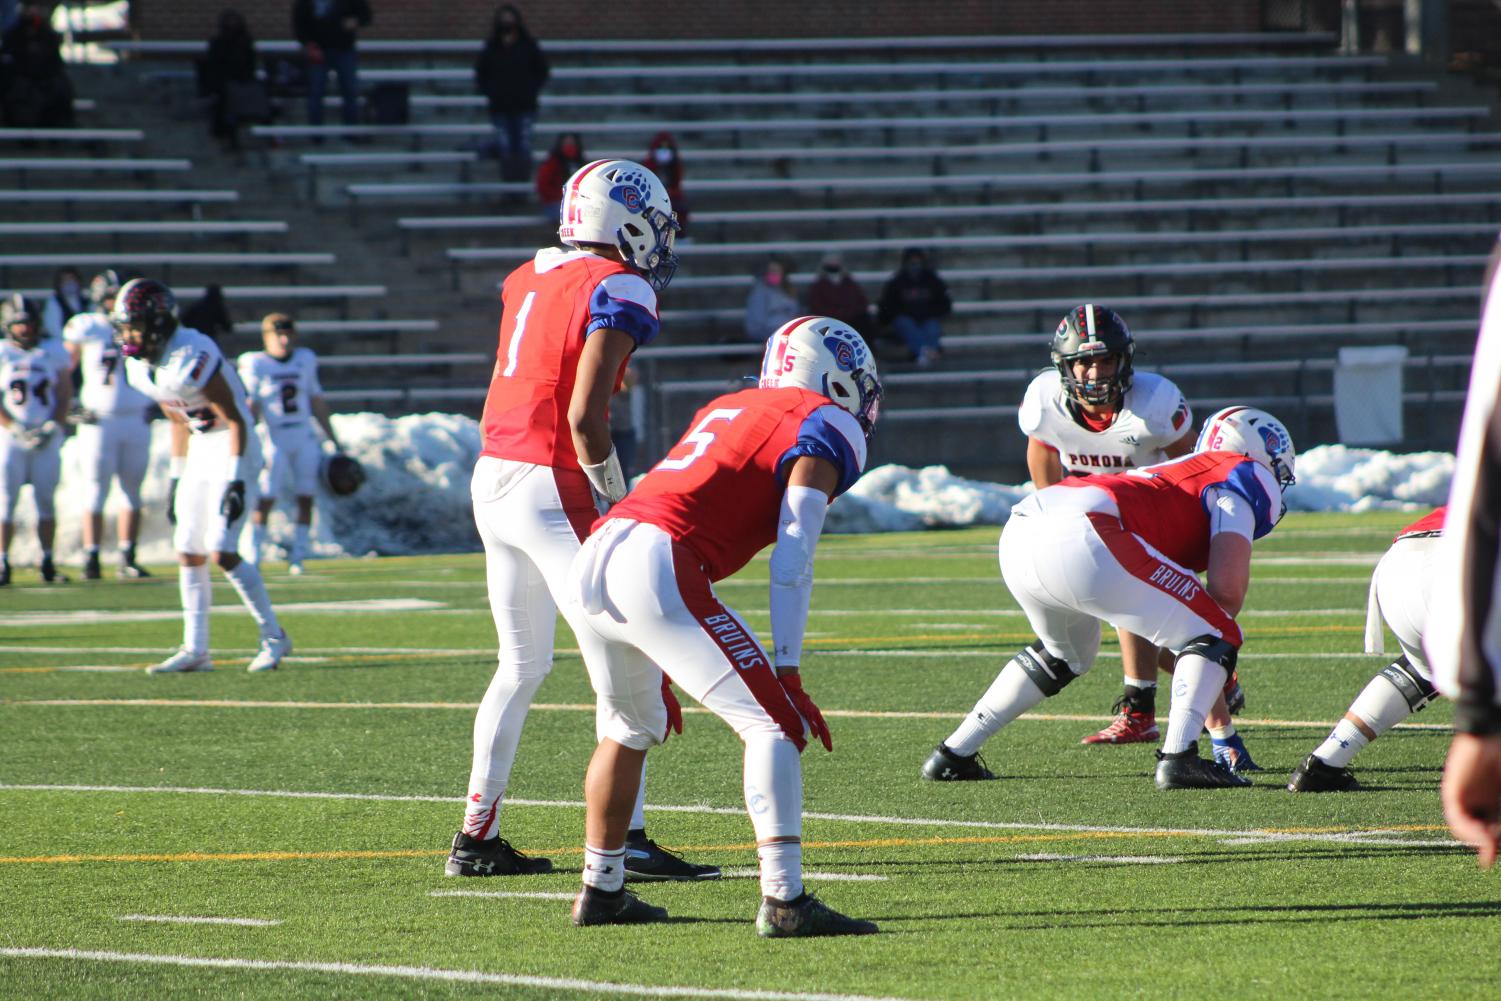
(1254, 433)
(821, 354)
(621, 204)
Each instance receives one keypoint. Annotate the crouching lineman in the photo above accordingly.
(215, 459)
(1093, 412)
(1126, 548)
(757, 466)
(571, 319)
(36, 394)
(1400, 589)
(114, 432)
(282, 383)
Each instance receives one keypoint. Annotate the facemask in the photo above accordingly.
(773, 278)
(69, 287)
(664, 155)
(569, 150)
(831, 269)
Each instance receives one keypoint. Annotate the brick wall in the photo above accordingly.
(731, 18)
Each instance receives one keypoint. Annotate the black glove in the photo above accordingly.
(232, 504)
(172, 501)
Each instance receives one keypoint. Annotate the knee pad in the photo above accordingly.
(1214, 649)
(1047, 672)
(1416, 689)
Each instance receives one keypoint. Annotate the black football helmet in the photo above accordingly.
(150, 308)
(342, 475)
(104, 286)
(1088, 331)
(21, 321)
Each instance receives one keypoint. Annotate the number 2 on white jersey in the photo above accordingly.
(513, 349)
(700, 437)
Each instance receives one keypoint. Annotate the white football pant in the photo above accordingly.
(114, 448)
(292, 456)
(201, 529)
(19, 466)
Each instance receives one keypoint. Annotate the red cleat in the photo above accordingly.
(1129, 727)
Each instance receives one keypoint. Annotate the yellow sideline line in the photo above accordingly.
(996, 839)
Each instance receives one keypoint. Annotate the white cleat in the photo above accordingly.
(271, 653)
(295, 569)
(182, 661)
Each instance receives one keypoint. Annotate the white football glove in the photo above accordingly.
(34, 438)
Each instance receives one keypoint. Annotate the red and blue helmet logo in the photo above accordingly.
(630, 196)
(846, 353)
(1275, 446)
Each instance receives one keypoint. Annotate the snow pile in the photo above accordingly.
(416, 495)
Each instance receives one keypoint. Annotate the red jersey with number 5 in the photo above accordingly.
(551, 305)
(719, 491)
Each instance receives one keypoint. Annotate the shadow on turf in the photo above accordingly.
(1235, 917)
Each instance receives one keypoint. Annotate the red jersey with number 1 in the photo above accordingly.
(1166, 504)
(719, 491)
(551, 305)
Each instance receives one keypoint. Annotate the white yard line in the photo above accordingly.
(94, 616)
(589, 708)
(187, 920)
(1110, 859)
(503, 894)
(433, 973)
(1382, 836)
(831, 877)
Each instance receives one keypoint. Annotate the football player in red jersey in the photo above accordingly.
(1092, 412)
(572, 317)
(1400, 590)
(756, 467)
(1127, 548)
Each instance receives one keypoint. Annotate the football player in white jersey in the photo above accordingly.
(215, 461)
(1093, 413)
(282, 383)
(36, 394)
(114, 428)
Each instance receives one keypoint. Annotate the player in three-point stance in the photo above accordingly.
(34, 396)
(214, 462)
(114, 428)
(1400, 588)
(571, 319)
(285, 394)
(1127, 548)
(756, 467)
(1092, 412)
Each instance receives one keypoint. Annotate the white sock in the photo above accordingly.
(196, 592)
(497, 731)
(1196, 684)
(1341, 745)
(638, 812)
(251, 587)
(300, 539)
(774, 799)
(93, 551)
(604, 870)
(1140, 683)
(1012, 693)
(781, 869)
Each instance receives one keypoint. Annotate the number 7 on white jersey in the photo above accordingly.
(700, 437)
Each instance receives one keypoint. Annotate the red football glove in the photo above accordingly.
(674, 709)
(792, 684)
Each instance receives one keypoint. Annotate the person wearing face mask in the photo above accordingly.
(510, 73)
(35, 91)
(665, 160)
(230, 64)
(565, 158)
(836, 293)
(772, 301)
(913, 302)
(65, 302)
(326, 30)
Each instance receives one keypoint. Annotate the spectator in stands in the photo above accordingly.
(227, 75)
(65, 302)
(209, 315)
(565, 157)
(510, 73)
(836, 293)
(663, 159)
(35, 91)
(326, 30)
(913, 302)
(9, 11)
(772, 301)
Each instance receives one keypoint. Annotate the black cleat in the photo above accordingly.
(1186, 770)
(596, 907)
(4, 574)
(495, 857)
(50, 574)
(943, 765)
(132, 571)
(806, 917)
(91, 567)
(648, 862)
(1314, 775)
